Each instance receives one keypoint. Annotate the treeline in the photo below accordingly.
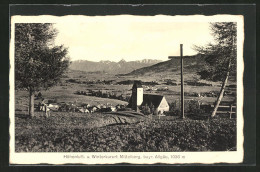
(191, 83)
(77, 81)
(131, 82)
(109, 82)
(103, 94)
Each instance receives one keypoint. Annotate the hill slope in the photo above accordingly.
(192, 64)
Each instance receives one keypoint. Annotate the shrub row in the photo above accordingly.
(178, 135)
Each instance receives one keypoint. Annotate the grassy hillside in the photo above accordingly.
(170, 70)
(192, 64)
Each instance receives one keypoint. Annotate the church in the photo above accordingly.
(139, 100)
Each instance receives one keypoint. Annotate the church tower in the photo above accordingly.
(137, 95)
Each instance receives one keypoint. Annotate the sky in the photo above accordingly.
(130, 37)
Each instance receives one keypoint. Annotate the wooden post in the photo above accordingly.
(230, 111)
(182, 86)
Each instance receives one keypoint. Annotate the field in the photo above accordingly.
(112, 132)
(172, 93)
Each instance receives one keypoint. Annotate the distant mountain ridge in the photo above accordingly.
(121, 67)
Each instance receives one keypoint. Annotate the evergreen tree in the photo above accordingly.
(220, 56)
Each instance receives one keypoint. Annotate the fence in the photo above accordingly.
(195, 106)
(226, 109)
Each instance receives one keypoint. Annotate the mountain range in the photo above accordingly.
(121, 67)
(150, 70)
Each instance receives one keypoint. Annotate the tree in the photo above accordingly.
(39, 64)
(151, 108)
(220, 57)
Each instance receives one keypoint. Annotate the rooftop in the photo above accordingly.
(149, 99)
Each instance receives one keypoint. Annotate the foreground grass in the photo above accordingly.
(69, 132)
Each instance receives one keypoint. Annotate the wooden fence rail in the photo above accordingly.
(225, 109)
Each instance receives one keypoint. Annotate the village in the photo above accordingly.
(145, 103)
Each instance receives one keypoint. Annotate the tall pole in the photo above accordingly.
(182, 86)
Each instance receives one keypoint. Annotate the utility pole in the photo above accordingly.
(182, 85)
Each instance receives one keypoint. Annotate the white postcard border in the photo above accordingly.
(131, 157)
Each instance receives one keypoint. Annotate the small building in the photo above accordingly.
(119, 106)
(139, 100)
(108, 109)
(102, 106)
(85, 105)
(82, 110)
(93, 109)
(113, 109)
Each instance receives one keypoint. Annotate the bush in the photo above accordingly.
(193, 107)
(146, 109)
(51, 135)
(190, 107)
(155, 112)
(170, 113)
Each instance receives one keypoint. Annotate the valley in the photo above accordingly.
(73, 131)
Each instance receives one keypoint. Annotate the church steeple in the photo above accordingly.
(137, 95)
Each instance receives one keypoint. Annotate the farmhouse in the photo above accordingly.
(139, 100)
(93, 109)
(82, 110)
